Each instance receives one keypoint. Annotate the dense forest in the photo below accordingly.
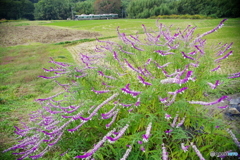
(63, 9)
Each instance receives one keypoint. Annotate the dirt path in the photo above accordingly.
(85, 48)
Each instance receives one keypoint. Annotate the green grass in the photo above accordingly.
(21, 66)
(20, 84)
(131, 26)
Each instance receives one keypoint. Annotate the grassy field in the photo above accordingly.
(229, 33)
(131, 26)
(22, 64)
(20, 84)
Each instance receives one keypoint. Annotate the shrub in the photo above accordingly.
(143, 94)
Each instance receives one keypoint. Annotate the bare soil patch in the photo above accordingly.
(20, 35)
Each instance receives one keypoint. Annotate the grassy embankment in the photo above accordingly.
(21, 65)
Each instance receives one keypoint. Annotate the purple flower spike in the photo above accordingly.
(121, 132)
(160, 67)
(109, 112)
(161, 53)
(234, 137)
(178, 80)
(174, 121)
(185, 56)
(184, 148)
(58, 63)
(142, 149)
(113, 119)
(224, 50)
(97, 146)
(126, 153)
(199, 49)
(131, 67)
(85, 155)
(140, 142)
(102, 74)
(197, 151)
(209, 32)
(76, 128)
(53, 143)
(83, 75)
(223, 107)
(126, 105)
(128, 91)
(163, 100)
(215, 69)
(115, 55)
(49, 98)
(148, 61)
(214, 86)
(141, 80)
(182, 90)
(168, 131)
(147, 134)
(130, 110)
(100, 92)
(167, 116)
(192, 53)
(137, 48)
(222, 58)
(164, 153)
(235, 75)
(194, 64)
(180, 123)
(178, 91)
(40, 154)
(138, 102)
(209, 103)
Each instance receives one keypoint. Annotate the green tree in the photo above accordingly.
(85, 7)
(16, 9)
(219, 8)
(107, 6)
(124, 6)
(52, 9)
(34, 1)
(147, 8)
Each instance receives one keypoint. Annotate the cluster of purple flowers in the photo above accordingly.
(49, 128)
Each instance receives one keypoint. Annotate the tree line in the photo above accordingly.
(63, 9)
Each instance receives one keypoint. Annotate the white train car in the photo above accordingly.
(96, 16)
